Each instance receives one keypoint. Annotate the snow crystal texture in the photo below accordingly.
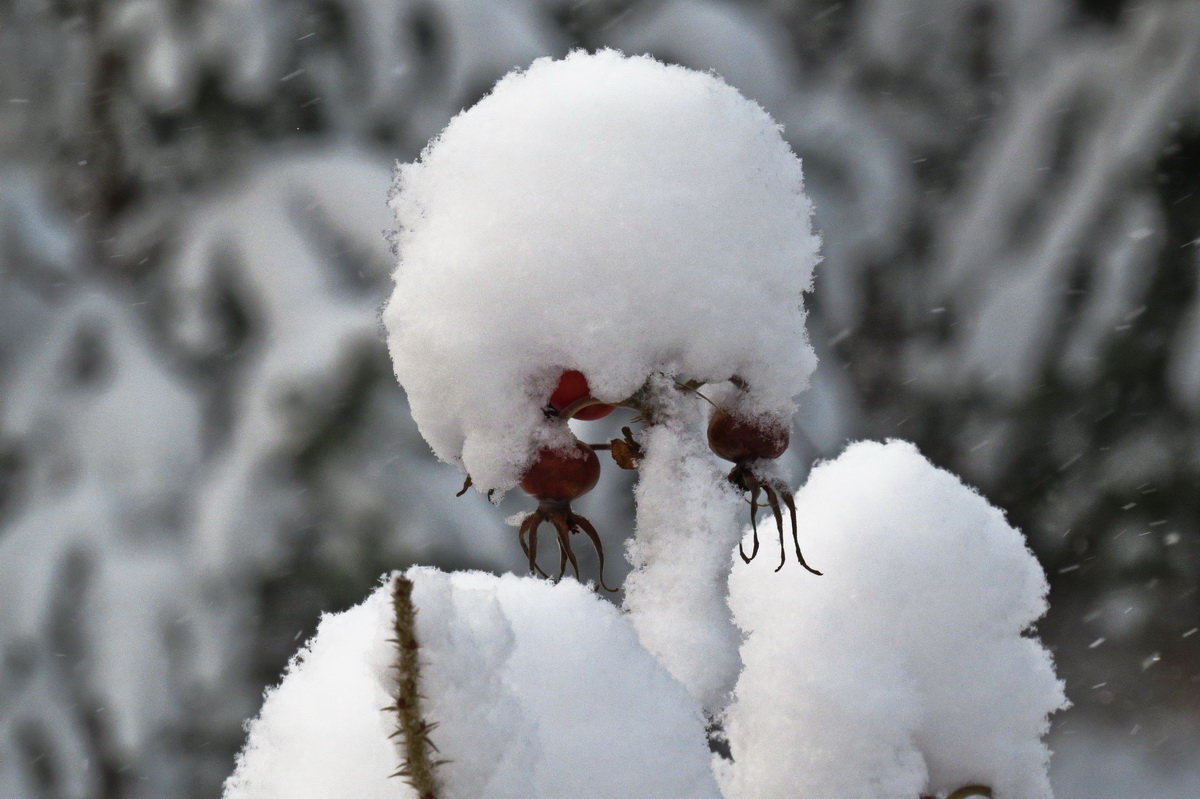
(540, 691)
(614, 215)
(903, 671)
(688, 521)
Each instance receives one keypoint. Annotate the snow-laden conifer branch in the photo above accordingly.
(413, 729)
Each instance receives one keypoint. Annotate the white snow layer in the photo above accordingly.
(322, 733)
(904, 669)
(609, 214)
(539, 690)
(688, 519)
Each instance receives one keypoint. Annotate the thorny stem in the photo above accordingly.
(417, 767)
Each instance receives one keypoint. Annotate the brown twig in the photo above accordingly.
(417, 768)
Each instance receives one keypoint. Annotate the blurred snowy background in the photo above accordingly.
(202, 446)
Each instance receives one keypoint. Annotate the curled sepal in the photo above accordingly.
(753, 481)
(565, 522)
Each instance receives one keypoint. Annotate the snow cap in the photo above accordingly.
(906, 669)
(614, 215)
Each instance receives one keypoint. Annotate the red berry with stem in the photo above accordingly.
(573, 389)
(745, 441)
(738, 439)
(556, 477)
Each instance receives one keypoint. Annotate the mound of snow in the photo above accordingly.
(609, 214)
(539, 690)
(905, 669)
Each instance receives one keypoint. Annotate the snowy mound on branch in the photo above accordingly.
(905, 669)
(608, 214)
(539, 691)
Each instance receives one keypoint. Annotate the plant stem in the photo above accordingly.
(417, 767)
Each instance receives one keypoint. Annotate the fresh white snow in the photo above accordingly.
(539, 691)
(905, 668)
(609, 214)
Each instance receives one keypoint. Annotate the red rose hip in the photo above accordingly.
(556, 477)
(562, 475)
(739, 439)
(573, 387)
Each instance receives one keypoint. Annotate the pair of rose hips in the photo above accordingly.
(559, 476)
(564, 475)
(568, 474)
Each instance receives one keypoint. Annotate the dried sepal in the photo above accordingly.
(565, 522)
(748, 479)
(626, 451)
